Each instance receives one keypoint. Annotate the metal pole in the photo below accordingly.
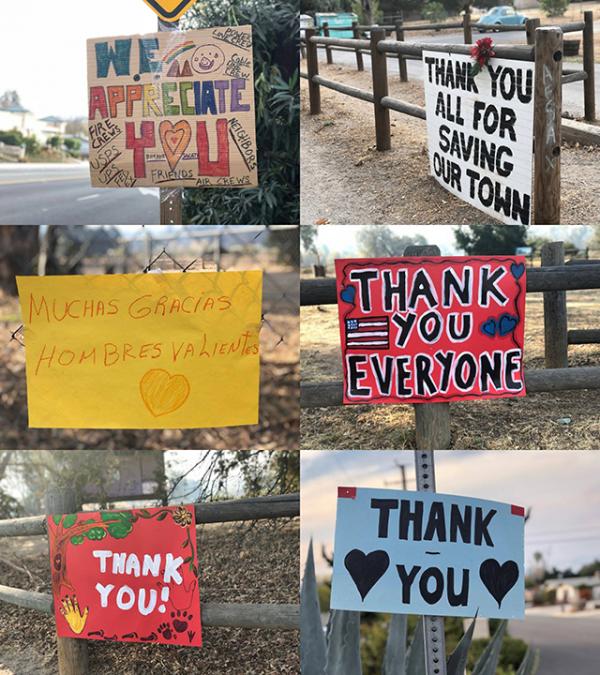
(171, 199)
(435, 638)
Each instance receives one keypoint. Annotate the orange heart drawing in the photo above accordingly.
(162, 392)
(175, 139)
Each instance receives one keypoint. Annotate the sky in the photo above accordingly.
(341, 239)
(45, 61)
(560, 487)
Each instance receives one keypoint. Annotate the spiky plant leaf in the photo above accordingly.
(415, 659)
(458, 659)
(394, 660)
(343, 643)
(313, 657)
(488, 661)
(529, 665)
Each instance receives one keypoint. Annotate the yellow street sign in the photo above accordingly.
(170, 10)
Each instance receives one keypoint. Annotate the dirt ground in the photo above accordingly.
(544, 421)
(241, 563)
(279, 406)
(345, 180)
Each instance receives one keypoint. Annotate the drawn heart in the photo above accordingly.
(489, 327)
(348, 294)
(497, 578)
(162, 392)
(366, 569)
(517, 270)
(175, 139)
(506, 324)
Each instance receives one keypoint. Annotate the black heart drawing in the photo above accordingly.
(366, 569)
(497, 578)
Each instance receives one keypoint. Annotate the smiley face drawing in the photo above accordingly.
(208, 59)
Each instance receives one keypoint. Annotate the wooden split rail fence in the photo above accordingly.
(72, 652)
(546, 53)
(432, 420)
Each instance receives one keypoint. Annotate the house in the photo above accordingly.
(49, 127)
(576, 591)
(15, 116)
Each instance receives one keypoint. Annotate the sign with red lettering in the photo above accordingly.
(129, 576)
(173, 109)
(422, 330)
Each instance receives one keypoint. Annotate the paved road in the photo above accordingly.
(572, 93)
(567, 645)
(60, 194)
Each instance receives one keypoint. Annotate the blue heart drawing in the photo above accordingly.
(506, 324)
(489, 327)
(348, 294)
(517, 270)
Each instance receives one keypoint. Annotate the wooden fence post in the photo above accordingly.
(380, 89)
(467, 26)
(312, 69)
(432, 420)
(531, 25)
(555, 312)
(72, 652)
(359, 57)
(328, 50)
(171, 199)
(589, 90)
(546, 125)
(401, 60)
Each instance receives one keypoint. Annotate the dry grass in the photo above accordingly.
(345, 180)
(240, 564)
(528, 423)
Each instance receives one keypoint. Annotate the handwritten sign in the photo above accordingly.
(173, 109)
(417, 330)
(480, 132)
(429, 554)
(170, 10)
(129, 576)
(142, 351)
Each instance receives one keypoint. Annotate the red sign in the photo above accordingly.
(417, 330)
(130, 576)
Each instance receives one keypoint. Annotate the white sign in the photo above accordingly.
(480, 132)
(427, 553)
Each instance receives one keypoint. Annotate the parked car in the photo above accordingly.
(503, 15)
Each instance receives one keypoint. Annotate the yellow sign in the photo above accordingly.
(170, 10)
(142, 351)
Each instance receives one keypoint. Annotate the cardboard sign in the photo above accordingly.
(416, 330)
(170, 10)
(142, 351)
(129, 576)
(429, 554)
(480, 132)
(173, 109)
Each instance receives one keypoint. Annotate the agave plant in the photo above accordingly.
(338, 651)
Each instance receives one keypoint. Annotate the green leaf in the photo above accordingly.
(395, 649)
(343, 643)
(77, 539)
(488, 661)
(163, 515)
(108, 516)
(530, 663)
(70, 520)
(458, 659)
(96, 534)
(415, 660)
(56, 518)
(119, 530)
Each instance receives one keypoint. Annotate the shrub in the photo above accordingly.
(554, 7)
(275, 34)
(13, 137)
(434, 11)
(32, 146)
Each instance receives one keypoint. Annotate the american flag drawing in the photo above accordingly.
(372, 332)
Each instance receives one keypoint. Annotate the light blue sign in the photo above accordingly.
(428, 553)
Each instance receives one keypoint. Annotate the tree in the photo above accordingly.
(53, 142)
(378, 241)
(10, 99)
(20, 247)
(308, 237)
(73, 146)
(12, 137)
(554, 7)
(434, 11)
(490, 239)
(32, 146)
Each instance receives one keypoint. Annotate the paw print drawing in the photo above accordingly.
(181, 620)
(166, 631)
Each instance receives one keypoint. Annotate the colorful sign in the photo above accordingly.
(170, 10)
(480, 132)
(173, 109)
(429, 554)
(416, 330)
(142, 351)
(126, 576)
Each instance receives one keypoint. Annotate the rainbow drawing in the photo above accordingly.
(179, 49)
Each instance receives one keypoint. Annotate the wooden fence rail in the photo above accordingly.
(73, 654)
(432, 421)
